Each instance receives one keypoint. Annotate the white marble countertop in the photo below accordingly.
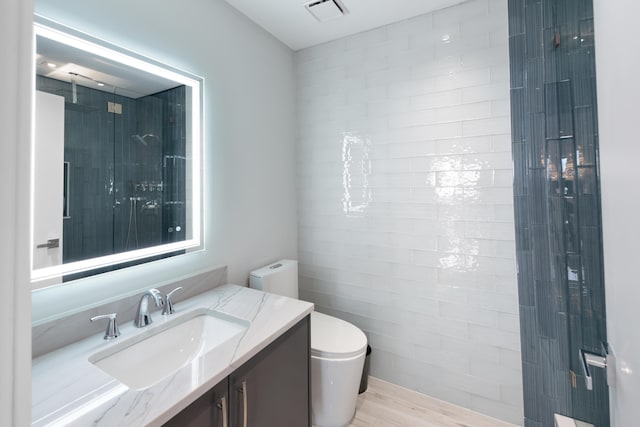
(68, 390)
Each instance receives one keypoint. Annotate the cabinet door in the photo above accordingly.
(273, 388)
(210, 410)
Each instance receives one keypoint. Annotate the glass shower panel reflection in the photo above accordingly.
(88, 141)
(149, 172)
(174, 165)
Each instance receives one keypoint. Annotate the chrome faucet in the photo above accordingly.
(143, 318)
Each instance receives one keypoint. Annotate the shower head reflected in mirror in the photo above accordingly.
(144, 140)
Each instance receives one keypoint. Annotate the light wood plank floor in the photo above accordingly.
(388, 405)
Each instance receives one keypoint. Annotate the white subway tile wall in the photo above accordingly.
(405, 204)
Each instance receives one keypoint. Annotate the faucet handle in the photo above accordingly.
(167, 308)
(112, 330)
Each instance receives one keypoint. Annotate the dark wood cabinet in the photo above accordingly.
(211, 409)
(272, 389)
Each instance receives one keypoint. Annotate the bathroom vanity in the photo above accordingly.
(271, 389)
(258, 376)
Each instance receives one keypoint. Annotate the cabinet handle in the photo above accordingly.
(243, 390)
(222, 405)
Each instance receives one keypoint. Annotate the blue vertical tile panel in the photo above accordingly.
(518, 114)
(517, 60)
(557, 207)
(585, 121)
(536, 138)
(533, 29)
(516, 17)
(535, 85)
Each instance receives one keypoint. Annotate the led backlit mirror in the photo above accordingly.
(116, 165)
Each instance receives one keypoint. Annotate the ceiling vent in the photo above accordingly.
(326, 10)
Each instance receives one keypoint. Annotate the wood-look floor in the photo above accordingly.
(388, 405)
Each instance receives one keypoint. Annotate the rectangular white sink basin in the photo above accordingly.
(143, 360)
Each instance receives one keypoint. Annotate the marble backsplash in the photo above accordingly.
(58, 333)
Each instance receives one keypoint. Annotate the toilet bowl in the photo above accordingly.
(338, 350)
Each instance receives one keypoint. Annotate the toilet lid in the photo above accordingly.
(333, 337)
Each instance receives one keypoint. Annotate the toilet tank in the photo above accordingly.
(279, 278)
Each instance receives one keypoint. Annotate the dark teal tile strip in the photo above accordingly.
(557, 206)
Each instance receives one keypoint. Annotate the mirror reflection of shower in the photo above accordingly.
(112, 117)
(123, 192)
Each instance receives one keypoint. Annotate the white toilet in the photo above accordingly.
(337, 350)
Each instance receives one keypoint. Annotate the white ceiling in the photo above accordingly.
(87, 69)
(290, 22)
